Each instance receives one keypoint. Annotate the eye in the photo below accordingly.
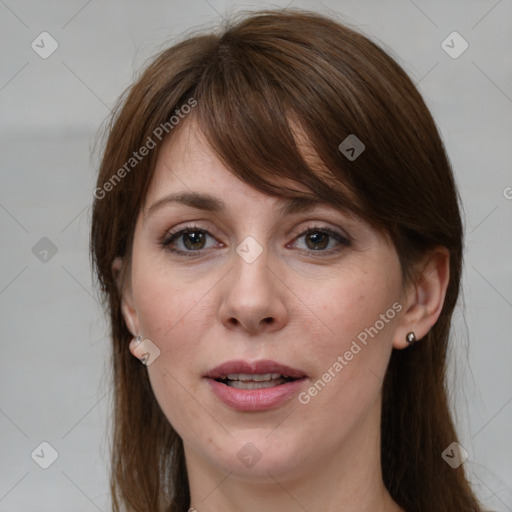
(322, 239)
(193, 240)
(188, 241)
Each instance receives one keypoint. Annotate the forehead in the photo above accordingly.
(186, 157)
(186, 161)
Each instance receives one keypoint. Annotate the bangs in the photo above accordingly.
(265, 124)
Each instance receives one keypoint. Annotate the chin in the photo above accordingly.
(255, 457)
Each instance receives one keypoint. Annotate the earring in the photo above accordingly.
(411, 337)
(137, 340)
(134, 344)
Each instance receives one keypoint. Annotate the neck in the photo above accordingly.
(349, 480)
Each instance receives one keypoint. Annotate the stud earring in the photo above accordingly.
(136, 341)
(411, 337)
(144, 350)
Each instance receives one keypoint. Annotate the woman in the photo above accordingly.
(276, 229)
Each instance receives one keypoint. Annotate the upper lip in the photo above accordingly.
(255, 367)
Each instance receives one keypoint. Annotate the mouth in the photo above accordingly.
(255, 386)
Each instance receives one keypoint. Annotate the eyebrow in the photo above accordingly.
(214, 204)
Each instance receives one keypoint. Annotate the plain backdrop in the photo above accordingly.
(54, 349)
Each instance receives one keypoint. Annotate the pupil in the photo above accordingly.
(194, 240)
(318, 241)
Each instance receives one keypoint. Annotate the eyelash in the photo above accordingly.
(172, 236)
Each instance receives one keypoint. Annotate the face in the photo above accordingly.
(274, 328)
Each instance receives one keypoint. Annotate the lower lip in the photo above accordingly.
(255, 399)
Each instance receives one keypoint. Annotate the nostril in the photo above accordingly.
(268, 320)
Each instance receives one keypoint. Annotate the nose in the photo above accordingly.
(253, 297)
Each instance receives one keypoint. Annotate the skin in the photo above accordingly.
(295, 305)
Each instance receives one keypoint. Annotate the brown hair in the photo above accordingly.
(252, 84)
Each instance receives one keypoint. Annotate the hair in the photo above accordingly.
(255, 86)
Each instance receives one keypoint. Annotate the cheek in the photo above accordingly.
(357, 313)
(348, 306)
(168, 310)
(166, 302)
(172, 310)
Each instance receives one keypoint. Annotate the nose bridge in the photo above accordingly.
(251, 299)
(251, 270)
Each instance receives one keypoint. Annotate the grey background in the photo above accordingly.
(54, 349)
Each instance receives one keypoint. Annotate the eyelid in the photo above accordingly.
(198, 225)
(322, 226)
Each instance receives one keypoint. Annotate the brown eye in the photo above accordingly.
(322, 240)
(194, 240)
(190, 241)
(317, 240)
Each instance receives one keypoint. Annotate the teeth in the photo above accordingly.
(239, 384)
(246, 377)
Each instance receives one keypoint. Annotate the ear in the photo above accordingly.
(127, 306)
(424, 298)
